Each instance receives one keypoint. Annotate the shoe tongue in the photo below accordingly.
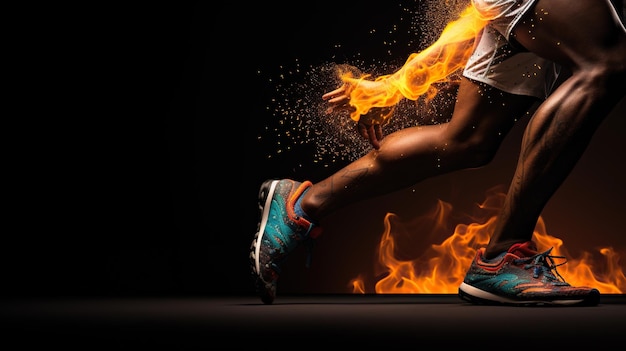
(526, 249)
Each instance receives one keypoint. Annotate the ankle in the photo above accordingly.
(493, 250)
(301, 204)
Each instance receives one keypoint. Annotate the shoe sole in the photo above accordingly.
(265, 198)
(481, 297)
(266, 193)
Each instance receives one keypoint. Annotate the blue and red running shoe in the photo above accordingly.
(279, 232)
(522, 276)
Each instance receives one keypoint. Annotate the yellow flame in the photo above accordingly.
(421, 70)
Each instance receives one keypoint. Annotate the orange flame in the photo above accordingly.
(421, 70)
(441, 269)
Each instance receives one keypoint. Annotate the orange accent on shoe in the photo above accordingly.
(315, 231)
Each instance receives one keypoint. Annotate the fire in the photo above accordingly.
(421, 70)
(442, 267)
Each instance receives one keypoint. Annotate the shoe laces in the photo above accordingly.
(544, 264)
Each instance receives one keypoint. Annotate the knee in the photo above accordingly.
(477, 154)
(609, 69)
(604, 78)
(468, 153)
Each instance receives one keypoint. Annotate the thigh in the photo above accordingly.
(572, 33)
(485, 112)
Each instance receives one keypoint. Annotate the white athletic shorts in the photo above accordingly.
(499, 63)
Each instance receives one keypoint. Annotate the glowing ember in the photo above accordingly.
(441, 269)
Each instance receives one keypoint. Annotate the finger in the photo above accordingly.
(362, 129)
(340, 100)
(379, 131)
(373, 136)
(339, 91)
(332, 109)
(340, 104)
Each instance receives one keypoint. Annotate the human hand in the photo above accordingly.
(339, 99)
(370, 125)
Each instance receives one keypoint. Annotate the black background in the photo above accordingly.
(141, 170)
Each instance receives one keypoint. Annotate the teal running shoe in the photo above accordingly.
(522, 276)
(279, 232)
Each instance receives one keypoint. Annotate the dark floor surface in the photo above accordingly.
(299, 322)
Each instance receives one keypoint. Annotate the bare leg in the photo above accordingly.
(481, 119)
(586, 38)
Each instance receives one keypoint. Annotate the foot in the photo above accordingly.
(279, 232)
(522, 276)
